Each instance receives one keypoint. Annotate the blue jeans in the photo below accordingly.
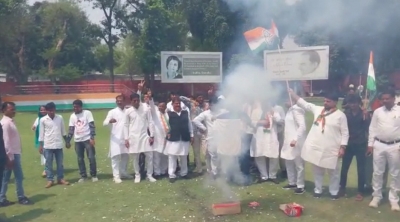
(59, 155)
(19, 177)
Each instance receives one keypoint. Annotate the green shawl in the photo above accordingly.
(37, 130)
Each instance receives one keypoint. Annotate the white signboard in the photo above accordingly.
(191, 67)
(305, 63)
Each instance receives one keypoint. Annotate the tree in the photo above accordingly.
(160, 27)
(127, 59)
(110, 23)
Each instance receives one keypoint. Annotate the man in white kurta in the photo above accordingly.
(138, 125)
(118, 152)
(161, 128)
(325, 143)
(179, 138)
(280, 132)
(265, 143)
(205, 122)
(383, 143)
(295, 134)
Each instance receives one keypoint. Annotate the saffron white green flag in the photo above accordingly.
(371, 83)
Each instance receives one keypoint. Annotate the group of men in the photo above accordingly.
(164, 133)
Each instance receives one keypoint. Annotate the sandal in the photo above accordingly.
(359, 197)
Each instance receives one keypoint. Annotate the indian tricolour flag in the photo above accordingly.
(260, 38)
(371, 83)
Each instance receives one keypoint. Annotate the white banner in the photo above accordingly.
(191, 67)
(227, 135)
(305, 63)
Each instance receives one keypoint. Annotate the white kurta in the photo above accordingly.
(322, 149)
(160, 127)
(117, 142)
(295, 130)
(137, 121)
(179, 148)
(265, 144)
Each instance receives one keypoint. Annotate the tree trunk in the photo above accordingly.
(51, 61)
(111, 62)
(20, 55)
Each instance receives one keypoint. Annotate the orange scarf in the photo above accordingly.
(164, 122)
(321, 118)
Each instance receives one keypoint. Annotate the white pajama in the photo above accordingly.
(386, 155)
(149, 163)
(119, 165)
(295, 172)
(172, 163)
(334, 179)
(212, 160)
(160, 163)
(272, 170)
(197, 144)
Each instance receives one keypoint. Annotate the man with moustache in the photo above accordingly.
(383, 144)
(179, 139)
(118, 152)
(139, 136)
(326, 142)
(161, 128)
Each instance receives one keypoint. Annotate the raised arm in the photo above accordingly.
(301, 102)
(300, 120)
(198, 121)
(344, 130)
(153, 109)
(373, 129)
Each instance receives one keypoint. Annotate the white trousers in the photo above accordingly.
(272, 170)
(197, 148)
(295, 172)
(334, 179)
(119, 164)
(149, 163)
(160, 163)
(386, 155)
(212, 161)
(172, 162)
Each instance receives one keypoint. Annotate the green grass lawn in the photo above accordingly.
(161, 201)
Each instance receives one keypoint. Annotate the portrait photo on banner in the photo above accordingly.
(173, 69)
(305, 63)
(191, 67)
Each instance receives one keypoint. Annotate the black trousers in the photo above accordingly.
(357, 150)
(80, 149)
(245, 159)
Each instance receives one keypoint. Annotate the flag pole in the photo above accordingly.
(287, 82)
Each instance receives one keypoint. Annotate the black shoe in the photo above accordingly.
(186, 177)
(284, 174)
(289, 187)
(275, 181)
(334, 197)
(25, 201)
(262, 180)
(6, 203)
(172, 180)
(317, 195)
(299, 191)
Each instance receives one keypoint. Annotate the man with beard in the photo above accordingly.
(326, 142)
